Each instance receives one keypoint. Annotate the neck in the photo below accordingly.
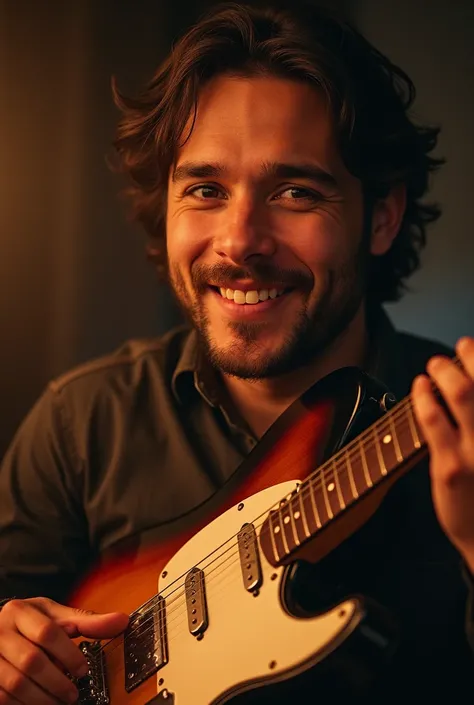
(386, 449)
(261, 402)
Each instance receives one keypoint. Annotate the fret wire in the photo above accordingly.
(320, 479)
(380, 454)
(340, 497)
(325, 494)
(292, 522)
(283, 532)
(340, 468)
(313, 503)
(368, 479)
(303, 512)
(355, 492)
(344, 456)
(402, 410)
(272, 536)
(350, 451)
(401, 417)
(413, 430)
(398, 450)
(348, 465)
(398, 412)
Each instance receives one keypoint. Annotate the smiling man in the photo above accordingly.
(276, 170)
(267, 245)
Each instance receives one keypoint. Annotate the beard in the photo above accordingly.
(314, 328)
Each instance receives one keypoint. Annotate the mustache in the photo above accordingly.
(265, 274)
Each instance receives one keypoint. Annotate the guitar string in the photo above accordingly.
(335, 469)
(341, 469)
(391, 415)
(220, 592)
(394, 413)
(208, 581)
(166, 595)
(177, 631)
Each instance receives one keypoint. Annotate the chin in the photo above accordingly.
(251, 360)
(243, 369)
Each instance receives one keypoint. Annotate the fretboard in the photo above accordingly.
(386, 447)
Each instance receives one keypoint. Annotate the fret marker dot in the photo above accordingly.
(286, 520)
(276, 529)
(386, 439)
(297, 515)
(331, 486)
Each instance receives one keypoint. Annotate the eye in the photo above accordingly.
(204, 192)
(299, 195)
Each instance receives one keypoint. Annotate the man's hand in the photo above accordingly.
(36, 649)
(451, 449)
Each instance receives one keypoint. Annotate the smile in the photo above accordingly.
(254, 296)
(252, 304)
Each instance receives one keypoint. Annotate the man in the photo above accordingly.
(274, 165)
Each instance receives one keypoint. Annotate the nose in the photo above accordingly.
(244, 233)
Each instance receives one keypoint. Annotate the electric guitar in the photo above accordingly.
(212, 614)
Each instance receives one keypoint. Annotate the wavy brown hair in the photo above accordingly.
(369, 96)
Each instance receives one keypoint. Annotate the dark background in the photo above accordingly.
(74, 282)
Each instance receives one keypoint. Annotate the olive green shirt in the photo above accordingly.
(118, 447)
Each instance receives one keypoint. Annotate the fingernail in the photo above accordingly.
(463, 343)
(72, 696)
(435, 362)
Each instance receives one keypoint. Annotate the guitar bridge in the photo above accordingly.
(145, 643)
(93, 687)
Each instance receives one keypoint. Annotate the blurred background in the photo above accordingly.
(74, 281)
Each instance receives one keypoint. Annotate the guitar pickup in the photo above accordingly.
(249, 558)
(195, 589)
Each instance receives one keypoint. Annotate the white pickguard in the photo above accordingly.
(245, 633)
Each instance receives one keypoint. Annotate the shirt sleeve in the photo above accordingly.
(43, 530)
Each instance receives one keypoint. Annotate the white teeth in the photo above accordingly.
(239, 297)
(249, 297)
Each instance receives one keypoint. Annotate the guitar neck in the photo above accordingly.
(387, 448)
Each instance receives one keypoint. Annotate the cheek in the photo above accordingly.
(333, 239)
(184, 239)
(322, 247)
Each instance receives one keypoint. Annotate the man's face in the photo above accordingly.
(262, 209)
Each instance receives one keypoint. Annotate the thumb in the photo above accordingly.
(96, 625)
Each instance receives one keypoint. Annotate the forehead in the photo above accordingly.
(261, 118)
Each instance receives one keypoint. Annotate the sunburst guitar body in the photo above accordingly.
(212, 614)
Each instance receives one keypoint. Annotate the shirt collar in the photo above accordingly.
(194, 372)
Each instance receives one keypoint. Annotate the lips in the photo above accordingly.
(249, 312)
(249, 296)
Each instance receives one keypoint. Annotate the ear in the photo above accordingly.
(387, 215)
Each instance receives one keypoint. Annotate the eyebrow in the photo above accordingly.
(279, 170)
